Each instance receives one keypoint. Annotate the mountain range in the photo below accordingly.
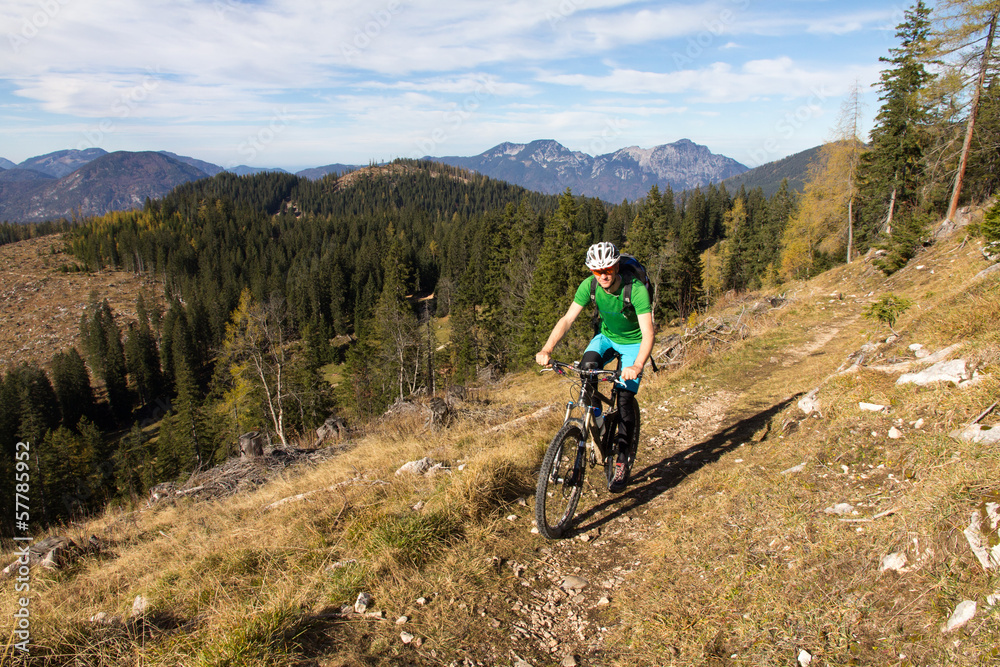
(549, 167)
(92, 181)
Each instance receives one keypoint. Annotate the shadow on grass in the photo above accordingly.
(658, 478)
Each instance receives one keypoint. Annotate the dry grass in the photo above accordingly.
(734, 561)
(40, 306)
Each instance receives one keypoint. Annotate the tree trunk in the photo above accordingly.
(970, 128)
(888, 218)
(850, 229)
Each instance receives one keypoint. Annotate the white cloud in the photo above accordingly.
(359, 77)
(721, 82)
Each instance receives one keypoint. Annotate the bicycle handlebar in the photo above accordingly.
(598, 374)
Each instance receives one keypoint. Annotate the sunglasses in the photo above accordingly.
(610, 271)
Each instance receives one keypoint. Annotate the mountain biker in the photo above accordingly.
(628, 331)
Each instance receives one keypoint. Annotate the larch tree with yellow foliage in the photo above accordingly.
(255, 353)
(823, 225)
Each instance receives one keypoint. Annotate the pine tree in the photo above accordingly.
(395, 325)
(735, 247)
(557, 274)
(618, 223)
(64, 478)
(134, 460)
(36, 402)
(686, 266)
(306, 402)
(72, 387)
(890, 173)
(10, 415)
(102, 344)
(174, 452)
(142, 359)
(780, 210)
(524, 229)
(646, 231)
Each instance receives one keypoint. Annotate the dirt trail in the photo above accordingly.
(563, 621)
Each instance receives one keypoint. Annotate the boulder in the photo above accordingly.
(978, 433)
(418, 467)
(963, 613)
(982, 534)
(953, 371)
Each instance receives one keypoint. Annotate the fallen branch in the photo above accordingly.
(538, 414)
(985, 412)
(302, 496)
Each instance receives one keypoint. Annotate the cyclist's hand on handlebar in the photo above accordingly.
(631, 372)
(542, 359)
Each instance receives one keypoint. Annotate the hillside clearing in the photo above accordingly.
(40, 306)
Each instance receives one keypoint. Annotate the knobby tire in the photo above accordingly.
(555, 497)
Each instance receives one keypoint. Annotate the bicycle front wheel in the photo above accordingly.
(559, 483)
(611, 441)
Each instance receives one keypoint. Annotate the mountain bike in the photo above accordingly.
(587, 436)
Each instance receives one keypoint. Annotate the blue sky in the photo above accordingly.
(302, 83)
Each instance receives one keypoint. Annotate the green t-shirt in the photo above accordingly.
(620, 327)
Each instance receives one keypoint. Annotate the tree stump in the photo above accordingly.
(333, 427)
(251, 445)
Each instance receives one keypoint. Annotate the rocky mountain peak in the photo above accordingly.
(547, 166)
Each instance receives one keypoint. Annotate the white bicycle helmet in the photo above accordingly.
(602, 255)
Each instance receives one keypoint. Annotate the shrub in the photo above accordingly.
(888, 309)
(991, 232)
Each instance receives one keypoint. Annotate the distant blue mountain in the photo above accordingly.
(207, 167)
(62, 163)
(316, 173)
(243, 170)
(111, 182)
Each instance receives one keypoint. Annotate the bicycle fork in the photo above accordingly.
(580, 461)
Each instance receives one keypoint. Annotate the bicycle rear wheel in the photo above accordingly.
(559, 489)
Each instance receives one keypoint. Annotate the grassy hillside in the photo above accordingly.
(721, 552)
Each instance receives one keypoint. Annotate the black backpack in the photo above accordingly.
(629, 267)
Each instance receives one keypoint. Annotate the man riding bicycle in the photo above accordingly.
(625, 330)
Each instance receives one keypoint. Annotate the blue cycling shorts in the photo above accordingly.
(602, 345)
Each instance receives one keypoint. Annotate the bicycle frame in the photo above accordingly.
(592, 410)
